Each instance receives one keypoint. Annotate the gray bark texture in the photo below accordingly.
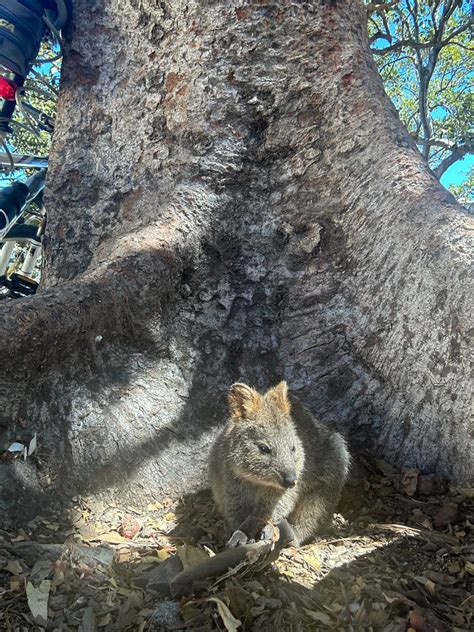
(232, 197)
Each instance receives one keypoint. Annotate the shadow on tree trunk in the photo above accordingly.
(231, 196)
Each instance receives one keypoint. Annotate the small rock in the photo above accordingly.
(167, 614)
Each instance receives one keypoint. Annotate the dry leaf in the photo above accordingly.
(89, 620)
(14, 567)
(134, 510)
(313, 561)
(40, 570)
(230, 622)
(105, 620)
(51, 525)
(320, 617)
(16, 446)
(191, 555)
(440, 578)
(112, 536)
(32, 446)
(154, 506)
(15, 583)
(37, 597)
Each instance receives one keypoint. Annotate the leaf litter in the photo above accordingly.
(400, 557)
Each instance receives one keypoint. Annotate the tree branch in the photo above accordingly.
(380, 7)
(455, 155)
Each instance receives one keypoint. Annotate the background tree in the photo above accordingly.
(231, 196)
(424, 53)
(464, 191)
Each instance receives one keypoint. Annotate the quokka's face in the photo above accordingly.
(265, 447)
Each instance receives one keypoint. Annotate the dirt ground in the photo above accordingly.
(400, 558)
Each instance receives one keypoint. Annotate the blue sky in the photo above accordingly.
(458, 172)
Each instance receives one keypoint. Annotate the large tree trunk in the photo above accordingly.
(232, 196)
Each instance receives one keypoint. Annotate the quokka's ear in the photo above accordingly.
(243, 401)
(279, 396)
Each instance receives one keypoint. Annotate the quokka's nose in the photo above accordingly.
(289, 479)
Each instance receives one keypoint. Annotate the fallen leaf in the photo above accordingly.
(228, 619)
(32, 446)
(154, 506)
(313, 561)
(15, 583)
(126, 592)
(440, 578)
(52, 526)
(20, 537)
(393, 597)
(40, 570)
(16, 446)
(37, 597)
(112, 536)
(134, 510)
(14, 567)
(105, 620)
(191, 555)
(89, 620)
(320, 617)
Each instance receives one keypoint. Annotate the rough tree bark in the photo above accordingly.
(232, 196)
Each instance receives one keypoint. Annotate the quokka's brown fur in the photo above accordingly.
(274, 460)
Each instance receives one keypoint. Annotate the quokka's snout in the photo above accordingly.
(289, 479)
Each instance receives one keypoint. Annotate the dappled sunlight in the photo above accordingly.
(394, 557)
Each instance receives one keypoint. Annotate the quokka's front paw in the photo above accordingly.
(284, 534)
(238, 538)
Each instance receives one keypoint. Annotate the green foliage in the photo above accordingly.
(463, 191)
(425, 57)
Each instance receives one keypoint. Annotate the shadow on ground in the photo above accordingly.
(391, 563)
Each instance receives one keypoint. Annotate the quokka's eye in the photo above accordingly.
(264, 449)
(293, 449)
